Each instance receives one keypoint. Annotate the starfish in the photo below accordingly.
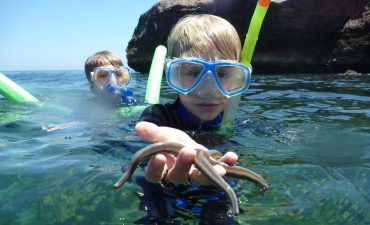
(204, 161)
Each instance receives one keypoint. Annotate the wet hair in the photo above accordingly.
(204, 34)
(102, 58)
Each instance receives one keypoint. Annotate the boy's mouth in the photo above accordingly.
(207, 105)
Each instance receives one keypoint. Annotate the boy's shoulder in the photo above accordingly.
(162, 115)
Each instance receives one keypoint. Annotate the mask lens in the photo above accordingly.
(122, 75)
(101, 76)
(232, 78)
(185, 74)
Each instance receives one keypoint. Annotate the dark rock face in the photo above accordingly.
(297, 36)
(353, 45)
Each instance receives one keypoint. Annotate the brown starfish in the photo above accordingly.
(204, 161)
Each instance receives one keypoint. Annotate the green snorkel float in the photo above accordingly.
(12, 91)
(251, 38)
(153, 87)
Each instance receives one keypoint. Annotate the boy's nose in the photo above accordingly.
(207, 88)
(112, 80)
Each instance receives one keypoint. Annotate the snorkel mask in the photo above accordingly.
(113, 80)
(188, 74)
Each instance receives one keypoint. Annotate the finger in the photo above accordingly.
(229, 158)
(156, 168)
(180, 172)
(153, 133)
(170, 160)
(149, 132)
(199, 178)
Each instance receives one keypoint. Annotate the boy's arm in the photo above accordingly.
(178, 169)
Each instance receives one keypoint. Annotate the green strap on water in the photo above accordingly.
(153, 88)
(12, 91)
(246, 57)
(127, 111)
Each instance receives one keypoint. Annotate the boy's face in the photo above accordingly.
(206, 101)
(205, 107)
(108, 75)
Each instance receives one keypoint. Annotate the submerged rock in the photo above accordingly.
(297, 36)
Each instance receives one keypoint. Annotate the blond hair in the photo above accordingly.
(204, 34)
(102, 58)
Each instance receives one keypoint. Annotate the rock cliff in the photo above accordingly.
(297, 36)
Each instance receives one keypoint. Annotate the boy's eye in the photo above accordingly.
(193, 73)
(121, 73)
(224, 73)
(102, 74)
(191, 69)
(122, 76)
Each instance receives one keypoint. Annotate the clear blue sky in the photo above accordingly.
(61, 34)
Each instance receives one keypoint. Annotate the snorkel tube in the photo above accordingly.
(12, 91)
(246, 57)
(153, 87)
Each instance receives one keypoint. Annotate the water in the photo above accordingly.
(307, 135)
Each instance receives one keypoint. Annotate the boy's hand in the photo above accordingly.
(174, 169)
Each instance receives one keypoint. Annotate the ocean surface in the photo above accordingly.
(308, 135)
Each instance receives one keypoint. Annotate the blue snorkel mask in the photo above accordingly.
(187, 74)
(113, 80)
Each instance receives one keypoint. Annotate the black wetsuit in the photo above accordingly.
(175, 115)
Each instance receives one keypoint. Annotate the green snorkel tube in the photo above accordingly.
(246, 57)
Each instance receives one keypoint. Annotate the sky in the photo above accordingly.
(61, 34)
